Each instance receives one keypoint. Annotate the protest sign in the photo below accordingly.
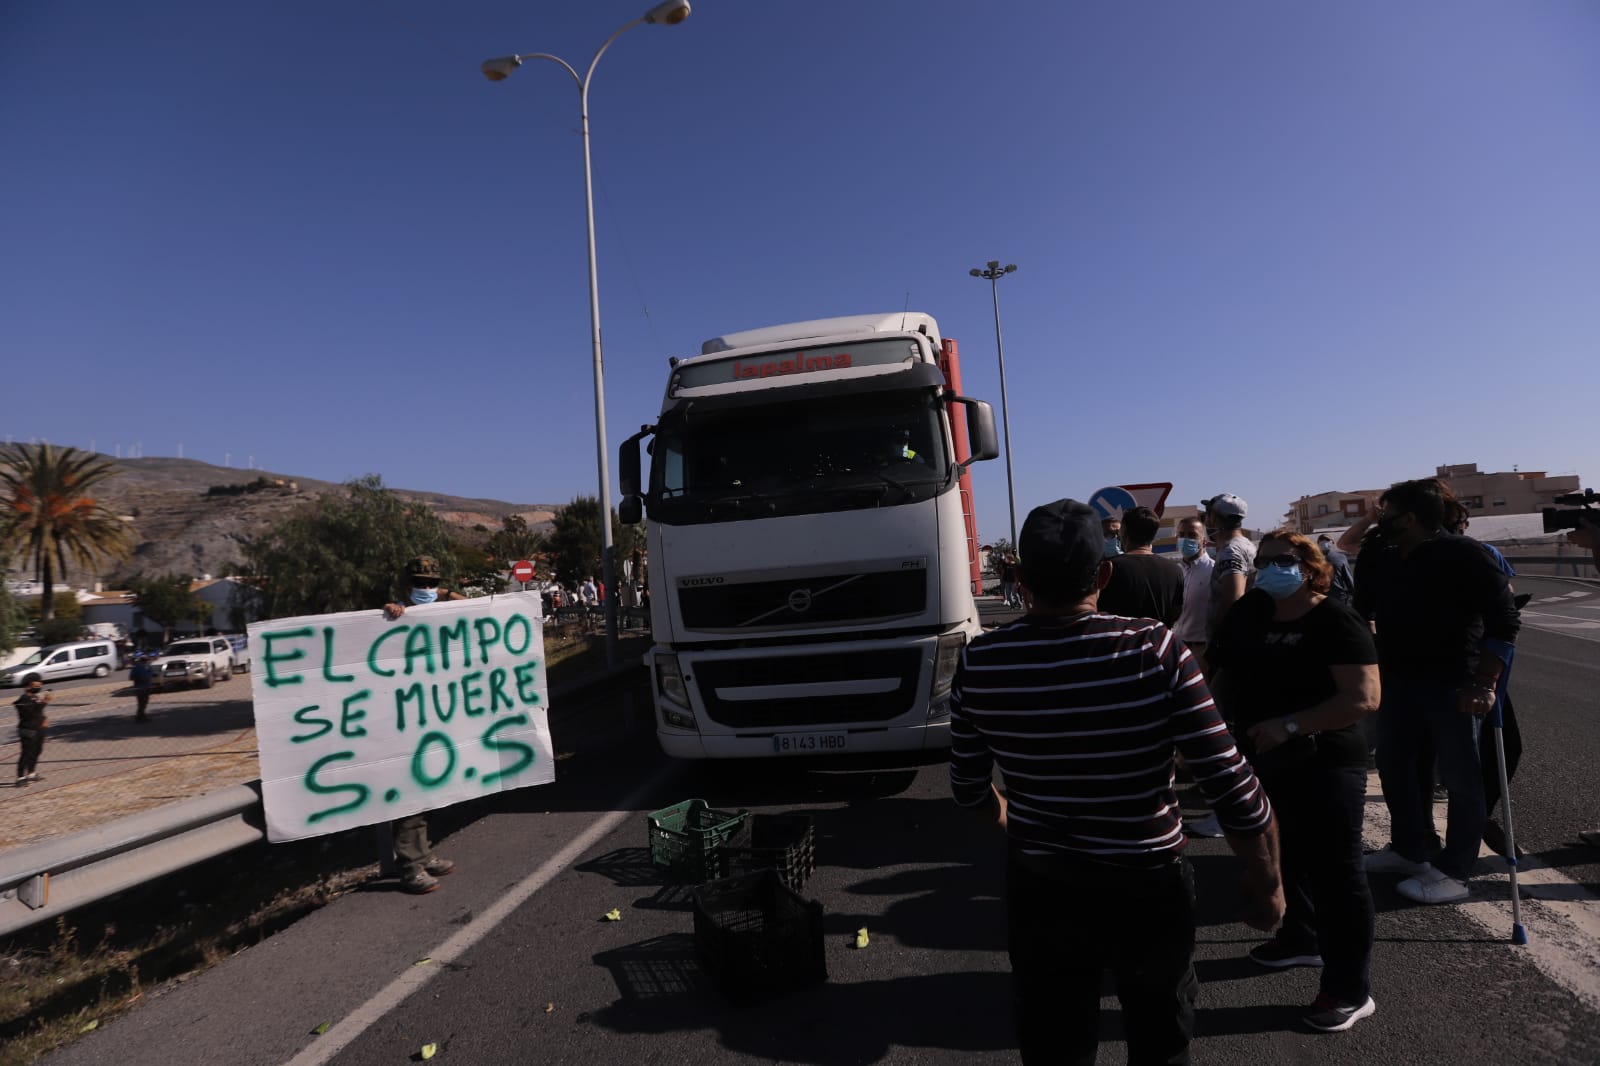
(360, 719)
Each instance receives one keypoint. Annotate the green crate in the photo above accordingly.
(757, 937)
(782, 842)
(684, 837)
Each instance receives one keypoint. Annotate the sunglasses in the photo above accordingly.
(424, 582)
(1286, 560)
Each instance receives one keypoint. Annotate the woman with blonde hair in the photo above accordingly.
(1296, 672)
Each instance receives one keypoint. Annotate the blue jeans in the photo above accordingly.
(1416, 716)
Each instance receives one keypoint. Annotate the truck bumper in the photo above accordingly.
(835, 698)
(681, 745)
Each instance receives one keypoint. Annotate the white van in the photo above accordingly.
(84, 658)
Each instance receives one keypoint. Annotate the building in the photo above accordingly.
(121, 608)
(1330, 510)
(1505, 492)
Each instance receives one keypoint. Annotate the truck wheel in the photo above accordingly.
(211, 679)
(102, 670)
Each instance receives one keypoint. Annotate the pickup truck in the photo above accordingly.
(199, 661)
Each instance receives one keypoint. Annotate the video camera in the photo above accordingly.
(1558, 518)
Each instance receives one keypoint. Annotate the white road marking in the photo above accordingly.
(1561, 916)
(412, 978)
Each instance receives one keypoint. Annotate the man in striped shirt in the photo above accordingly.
(1083, 713)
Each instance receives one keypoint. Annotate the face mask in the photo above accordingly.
(1113, 547)
(1278, 582)
(422, 596)
(1188, 547)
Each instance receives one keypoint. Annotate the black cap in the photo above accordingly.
(1062, 545)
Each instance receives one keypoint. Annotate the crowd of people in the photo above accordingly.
(1272, 673)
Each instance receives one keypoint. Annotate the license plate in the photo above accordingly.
(786, 743)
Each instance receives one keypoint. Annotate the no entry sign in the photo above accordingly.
(522, 570)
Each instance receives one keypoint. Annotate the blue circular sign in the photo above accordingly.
(1112, 501)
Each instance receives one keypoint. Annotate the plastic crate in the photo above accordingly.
(684, 836)
(757, 937)
(782, 842)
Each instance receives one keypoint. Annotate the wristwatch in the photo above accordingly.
(1291, 726)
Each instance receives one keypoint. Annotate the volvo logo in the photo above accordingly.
(800, 601)
(693, 582)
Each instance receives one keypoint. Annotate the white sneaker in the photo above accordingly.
(1390, 861)
(1432, 886)
(1205, 826)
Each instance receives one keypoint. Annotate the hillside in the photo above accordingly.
(193, 518)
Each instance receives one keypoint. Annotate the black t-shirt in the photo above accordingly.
(1144, 586)
(1434, 607)
(1273, 669)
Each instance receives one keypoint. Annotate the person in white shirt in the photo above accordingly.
(1197, 566)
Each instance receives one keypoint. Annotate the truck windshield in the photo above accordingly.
(191, 648)
(875, 449)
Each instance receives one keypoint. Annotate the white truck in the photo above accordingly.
(813, 550)
(199, 661)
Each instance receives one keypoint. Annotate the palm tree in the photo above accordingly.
(48, 515)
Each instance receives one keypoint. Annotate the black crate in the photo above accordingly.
(684, 836)
(782, 842)
(757, 937)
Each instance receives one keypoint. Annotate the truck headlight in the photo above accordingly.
(945, 660)
(669, 682)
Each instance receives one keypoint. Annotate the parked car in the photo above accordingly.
(199, 661)
(82, 658)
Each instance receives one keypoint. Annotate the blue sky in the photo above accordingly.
(1267, 249)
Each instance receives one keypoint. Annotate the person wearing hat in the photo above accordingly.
(1236, 554)
(420, 868)
(1084, 713)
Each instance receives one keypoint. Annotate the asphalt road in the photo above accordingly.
(523, 967)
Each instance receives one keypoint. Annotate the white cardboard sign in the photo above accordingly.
(362, 720)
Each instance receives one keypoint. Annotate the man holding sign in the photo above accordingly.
(420, 868)
(369, 717)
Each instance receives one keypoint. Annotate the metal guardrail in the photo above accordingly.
(48, 879)
(43, 881)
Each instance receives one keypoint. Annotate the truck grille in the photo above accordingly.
(806, 601)
(903, 665)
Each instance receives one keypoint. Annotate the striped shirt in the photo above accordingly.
(1083, 715)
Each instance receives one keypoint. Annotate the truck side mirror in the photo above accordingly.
(982, 440)
(631, 511)
(628, 462)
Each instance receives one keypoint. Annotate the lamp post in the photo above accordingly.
(994, 273)
(668, 13)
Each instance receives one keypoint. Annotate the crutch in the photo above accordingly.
(1519, 935)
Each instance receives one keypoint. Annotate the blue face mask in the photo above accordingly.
(1188, 547)
(1279, 582)
(421, 596)
(1113, 547)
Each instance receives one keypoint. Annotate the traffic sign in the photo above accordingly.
(1112, 501)
(522, 570)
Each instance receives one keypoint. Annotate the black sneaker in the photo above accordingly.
(1274, 955)
(1330, 1016)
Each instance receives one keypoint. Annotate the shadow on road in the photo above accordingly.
(663, 988)
(186, 720)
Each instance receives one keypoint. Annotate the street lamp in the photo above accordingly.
(994, 274)
(669, 13)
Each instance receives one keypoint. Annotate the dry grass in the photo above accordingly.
(56, 985)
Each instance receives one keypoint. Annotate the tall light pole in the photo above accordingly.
(669, 13)
(994, 273)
